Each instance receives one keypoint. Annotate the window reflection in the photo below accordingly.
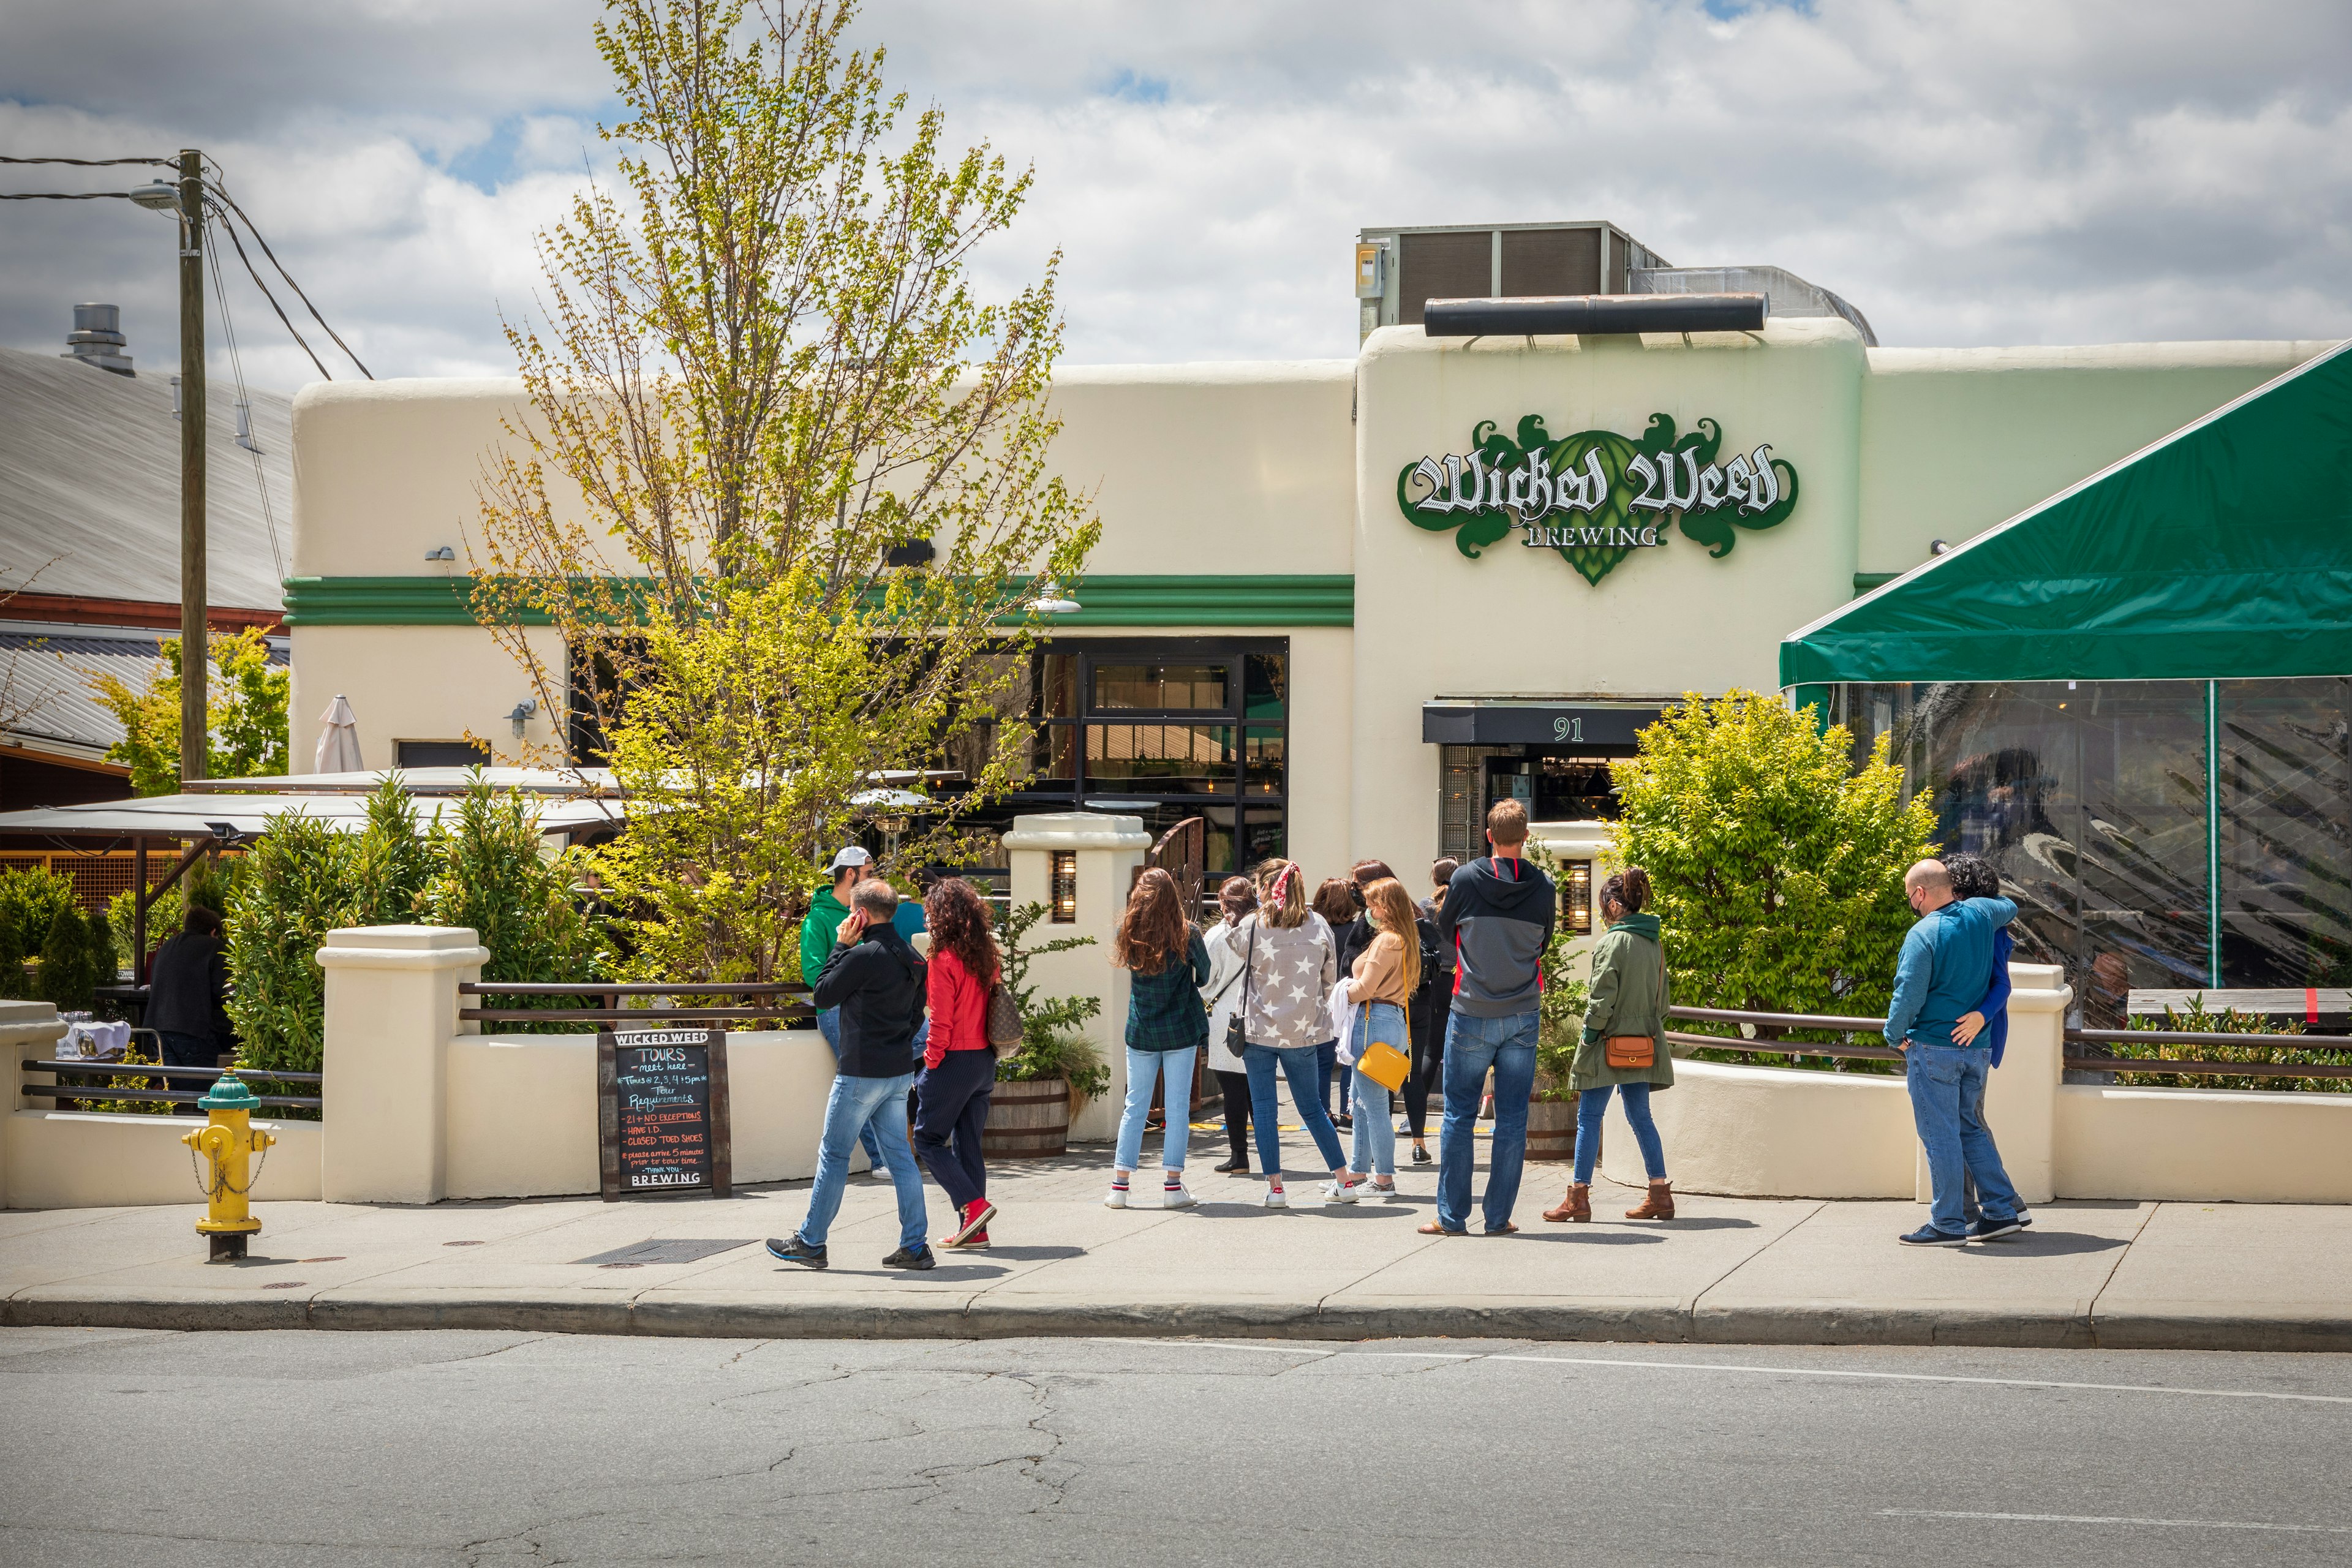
(1160, 688)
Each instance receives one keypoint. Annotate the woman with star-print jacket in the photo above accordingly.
(1292, 961)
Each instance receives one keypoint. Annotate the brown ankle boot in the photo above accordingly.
(1660, 1205)
(1577, 1205)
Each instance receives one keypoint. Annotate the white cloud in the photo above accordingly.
(1966, 170)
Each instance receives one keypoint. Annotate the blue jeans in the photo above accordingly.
(1327, 1069)
(1473, 1046)
(1375, 1139)
(828, 1025)
(1143, 1069)
(1296, 1063)
(1592, 1103)
(877, 1105)
(1947, 1085)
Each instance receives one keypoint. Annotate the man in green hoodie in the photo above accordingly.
(826, 912)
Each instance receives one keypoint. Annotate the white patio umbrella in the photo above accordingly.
(339, 743)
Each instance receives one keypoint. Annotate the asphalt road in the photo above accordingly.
(148, 1448)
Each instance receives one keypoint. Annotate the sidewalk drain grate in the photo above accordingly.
(671, 1249)
(285, 1285)
(461, 1244)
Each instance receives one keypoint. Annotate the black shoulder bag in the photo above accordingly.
(1236, 1036)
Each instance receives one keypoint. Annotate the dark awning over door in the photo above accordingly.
(1610, 727)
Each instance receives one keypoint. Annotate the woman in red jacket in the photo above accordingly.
(959, 1065)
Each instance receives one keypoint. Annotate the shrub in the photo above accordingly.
(68, 966)
(493, 878)
(2196, 1020)
(1777, 864)
(30, 902)
(1054, 1040)
(295, 888)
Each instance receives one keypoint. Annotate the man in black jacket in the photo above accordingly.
(187, 1000)
(873, 977)
(1497, 920)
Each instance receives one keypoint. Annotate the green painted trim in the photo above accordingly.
(1109, 601)
(1863, 582)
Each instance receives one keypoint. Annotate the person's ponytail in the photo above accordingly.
(1629, 889)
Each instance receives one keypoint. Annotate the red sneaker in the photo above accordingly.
(976, 1215)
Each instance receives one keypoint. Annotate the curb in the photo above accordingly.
(1794, 1323)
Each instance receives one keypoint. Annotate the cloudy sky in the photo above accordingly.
(1964, 170)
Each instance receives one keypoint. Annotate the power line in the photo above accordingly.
(64, 197)
(221, 190)
(230, 229)
(93, 162)
(245, 437)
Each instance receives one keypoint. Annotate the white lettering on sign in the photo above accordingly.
(1568, 729)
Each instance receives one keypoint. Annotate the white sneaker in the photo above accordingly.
(1175, 1197)
(1117, 1200)
(1275, 1199)
(1341, 1192)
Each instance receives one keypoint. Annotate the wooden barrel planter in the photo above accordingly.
(1551, 1130)
(1027, 1120)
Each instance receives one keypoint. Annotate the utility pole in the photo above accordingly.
(195, 666)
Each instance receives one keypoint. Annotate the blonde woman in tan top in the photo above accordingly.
(1385, 976)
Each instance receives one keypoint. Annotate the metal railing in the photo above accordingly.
(1765, 1045)
(2074, 1058)
(71, 1071)
(762, 1000)
(2172, 1067)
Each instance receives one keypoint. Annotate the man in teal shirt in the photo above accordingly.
(1946, 964)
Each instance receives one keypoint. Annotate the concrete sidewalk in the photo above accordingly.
(2112, 1275)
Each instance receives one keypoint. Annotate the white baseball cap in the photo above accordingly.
(853, 856)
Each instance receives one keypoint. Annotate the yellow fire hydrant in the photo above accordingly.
(229, 1141)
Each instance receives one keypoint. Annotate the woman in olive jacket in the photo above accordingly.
(1629, 998)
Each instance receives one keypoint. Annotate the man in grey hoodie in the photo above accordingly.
(1496, 920)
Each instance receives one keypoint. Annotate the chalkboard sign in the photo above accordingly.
(661, 1112)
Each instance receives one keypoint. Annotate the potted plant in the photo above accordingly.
(1056, 1066)
(1559, 1029)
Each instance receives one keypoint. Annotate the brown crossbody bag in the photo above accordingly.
(1637, 1053)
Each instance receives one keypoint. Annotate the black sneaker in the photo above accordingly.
(1990, 1229)
(920, 1258)
(792, 1249)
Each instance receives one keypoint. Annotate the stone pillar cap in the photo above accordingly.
(1078, 830)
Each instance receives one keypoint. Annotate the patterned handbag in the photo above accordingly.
(1004, 1017)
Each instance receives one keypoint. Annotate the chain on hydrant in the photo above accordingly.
(228, 1143)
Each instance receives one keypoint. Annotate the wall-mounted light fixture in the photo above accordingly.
(1064, 890)
(1050, 602)
(1579, 897)
(1938, 546)
(441, 552)
(523, 713)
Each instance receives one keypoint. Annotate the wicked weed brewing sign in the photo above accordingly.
(1596, 497)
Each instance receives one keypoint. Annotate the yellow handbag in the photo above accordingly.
(1384, 1065)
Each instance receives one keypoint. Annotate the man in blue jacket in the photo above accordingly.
(1942, 974)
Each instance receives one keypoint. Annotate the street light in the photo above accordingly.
(157, 197)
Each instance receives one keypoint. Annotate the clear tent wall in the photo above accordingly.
(2156, 834)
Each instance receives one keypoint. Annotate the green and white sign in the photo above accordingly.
(1596, 497)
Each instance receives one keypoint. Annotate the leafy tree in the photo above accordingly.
(388, 864)
(245, 707)
(764, 370)
(1777, 864)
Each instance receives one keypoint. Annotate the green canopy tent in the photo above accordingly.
(2219, 556)
(2223, 552)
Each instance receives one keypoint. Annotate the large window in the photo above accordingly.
(2092, 799)
(1164, 729)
